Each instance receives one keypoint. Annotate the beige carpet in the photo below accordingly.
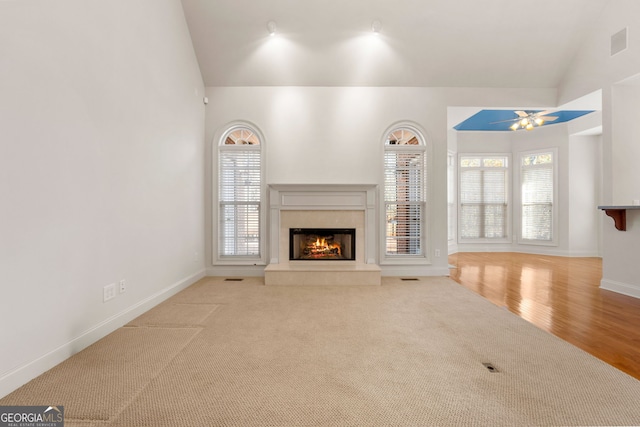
(402, 354)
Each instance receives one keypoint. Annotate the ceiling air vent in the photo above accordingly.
(619, 41)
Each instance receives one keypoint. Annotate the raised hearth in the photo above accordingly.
(315, 274)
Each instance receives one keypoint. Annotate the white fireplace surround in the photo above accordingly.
(354, 205)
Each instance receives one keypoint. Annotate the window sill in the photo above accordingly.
(537, 242)
(484, 241)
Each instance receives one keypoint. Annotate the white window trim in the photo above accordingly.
(452, 218)
(554, 211)
(510, 210)
(218, 144)
(386, 259)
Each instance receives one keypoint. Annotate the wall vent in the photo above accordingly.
(619, 41)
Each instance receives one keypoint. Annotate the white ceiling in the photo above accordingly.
(437, 43)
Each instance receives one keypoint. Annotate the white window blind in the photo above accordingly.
(483, 198)
(404, 199)
(239, 194)
(537, 194)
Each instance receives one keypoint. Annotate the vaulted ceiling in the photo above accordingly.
(436, 43)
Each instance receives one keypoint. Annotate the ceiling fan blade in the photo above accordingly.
(522, 114)
(548, 118)
(505, 121)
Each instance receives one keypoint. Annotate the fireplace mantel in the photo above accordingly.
(318, 197)
(300, 205)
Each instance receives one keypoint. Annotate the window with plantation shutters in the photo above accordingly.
(404, 193)
(537, 196)
(240, 195)
(483, 198)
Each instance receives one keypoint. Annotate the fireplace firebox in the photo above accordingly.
(322, 244)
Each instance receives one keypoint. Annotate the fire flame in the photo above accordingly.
(320, 245)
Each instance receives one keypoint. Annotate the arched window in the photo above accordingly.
(240, 210)
(405, 193)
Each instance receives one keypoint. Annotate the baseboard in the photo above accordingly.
(25, 373)
(388, 270)
(621, 288)
(562, 253)
(236, 271)
(533, 250)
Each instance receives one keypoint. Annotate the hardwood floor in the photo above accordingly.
(562, 296)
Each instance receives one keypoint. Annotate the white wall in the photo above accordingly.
(621, 266)
(585, 173)
(334, 135)
(101, 171)
(594, 68)
(625, 143)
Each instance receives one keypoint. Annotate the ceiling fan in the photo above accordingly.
(529, 119)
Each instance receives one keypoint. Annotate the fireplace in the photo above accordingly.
(319, 208)
(322, 244)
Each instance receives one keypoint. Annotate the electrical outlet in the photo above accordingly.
(109, 292)
(437, 252)
(123, 285)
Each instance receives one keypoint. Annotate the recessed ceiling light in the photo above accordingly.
(376, 26)
(271, 27)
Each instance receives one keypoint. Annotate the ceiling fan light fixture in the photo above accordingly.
(528, 120)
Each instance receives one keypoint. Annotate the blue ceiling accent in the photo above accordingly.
(500, 120)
